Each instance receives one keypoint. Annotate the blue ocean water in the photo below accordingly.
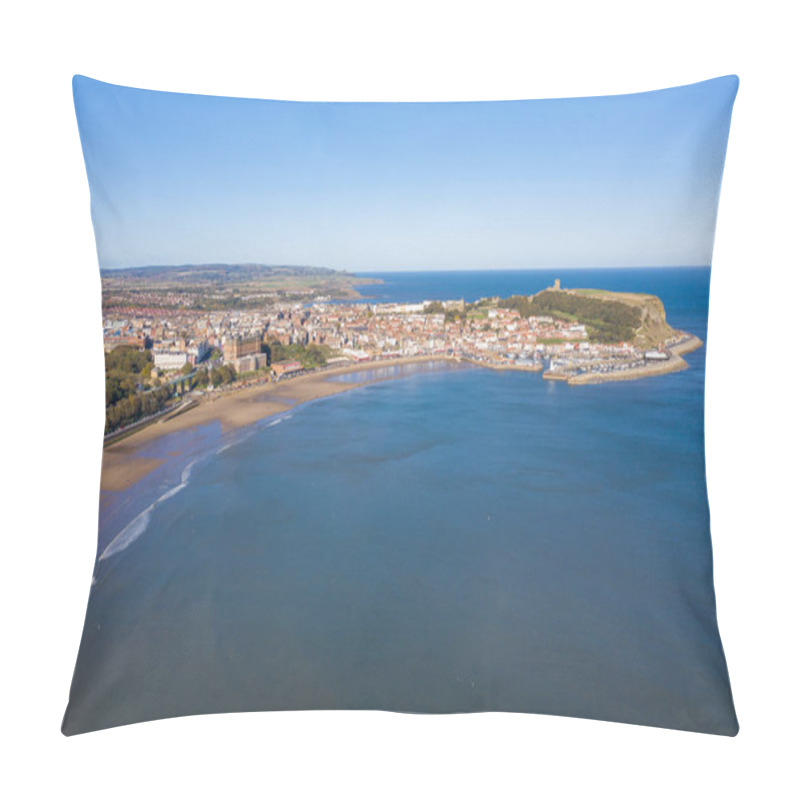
(454, 540)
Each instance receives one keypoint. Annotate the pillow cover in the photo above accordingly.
(404, 407)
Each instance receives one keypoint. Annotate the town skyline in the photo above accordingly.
(170, 333)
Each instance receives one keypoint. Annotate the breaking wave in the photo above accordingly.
(250, 432)
(137, 526)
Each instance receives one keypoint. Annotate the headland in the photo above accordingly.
(181, 352)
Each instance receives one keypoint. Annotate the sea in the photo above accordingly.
(446, 539)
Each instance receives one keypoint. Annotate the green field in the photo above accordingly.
(221, 287)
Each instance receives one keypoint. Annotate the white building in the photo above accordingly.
(169, 360)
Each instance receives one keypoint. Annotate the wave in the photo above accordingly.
(129, 534)
(249, 433)
(187, 471)
(137, 526)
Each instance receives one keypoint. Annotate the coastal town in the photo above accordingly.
(164, 354)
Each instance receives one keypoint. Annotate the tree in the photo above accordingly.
(605, 320)
(310, 356)
(128, 359)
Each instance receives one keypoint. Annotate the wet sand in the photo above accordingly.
(121, 469)
(235, 408)
(123, 466)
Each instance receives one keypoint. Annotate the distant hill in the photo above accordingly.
(227, 272)
(213, 287)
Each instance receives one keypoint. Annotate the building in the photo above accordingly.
(169, 360)
(251, 363)
(201, 350)
(239, 346)
(282, 368)
(114, 339)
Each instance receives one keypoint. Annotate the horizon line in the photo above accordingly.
(400, 270)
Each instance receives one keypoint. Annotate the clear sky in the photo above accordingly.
(629, 180)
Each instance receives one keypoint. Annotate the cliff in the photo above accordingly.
(653, 328)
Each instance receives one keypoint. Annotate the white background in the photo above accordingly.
(52, 388)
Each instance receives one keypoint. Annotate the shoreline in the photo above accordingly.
(123, 466)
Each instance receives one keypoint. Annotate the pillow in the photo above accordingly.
(404, 407)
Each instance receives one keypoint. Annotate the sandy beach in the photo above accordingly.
(234, 408)
(123, 467)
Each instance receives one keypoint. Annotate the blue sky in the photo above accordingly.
(628, 180)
